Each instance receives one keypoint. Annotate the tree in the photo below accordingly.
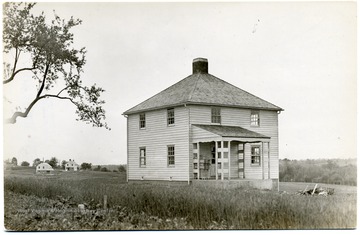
(63, 163)
(53, 162)
(52, 58)
(97, 168)
(104, 169)
(36, 162)
(14, 161)
(25, 163)
(85, 166)
(122, 168)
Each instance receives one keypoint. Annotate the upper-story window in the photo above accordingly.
(171, 116)
(142, 121)
(215, 115)
(255, 118)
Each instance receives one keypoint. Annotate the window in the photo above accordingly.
(255, 155)
(195, 166)
(171, 155)
(255, 118)
(171, 116)
(142, 156)
(215, 115)
(142, 121)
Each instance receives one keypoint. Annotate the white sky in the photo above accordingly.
(299, 56)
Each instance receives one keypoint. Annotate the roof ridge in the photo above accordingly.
(192, 92)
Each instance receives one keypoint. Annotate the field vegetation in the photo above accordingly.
(39, 202)
(335, 171)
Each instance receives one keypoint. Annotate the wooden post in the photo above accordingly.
(198, 160)
(222, 159)
(314, 189)
(229, 159)
(262, 160)
(269, 160)
(216, 161)
(243, 160)
(105, 202)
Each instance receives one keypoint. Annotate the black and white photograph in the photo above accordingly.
(179, 116)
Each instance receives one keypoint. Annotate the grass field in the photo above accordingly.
(43, 203)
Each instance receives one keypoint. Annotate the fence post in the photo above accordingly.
(105, 202)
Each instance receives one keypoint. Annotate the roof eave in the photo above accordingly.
(250, 137)
(128, 112)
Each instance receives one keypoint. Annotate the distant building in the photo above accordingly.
(44, 168)
(71, 165)
(203, 128)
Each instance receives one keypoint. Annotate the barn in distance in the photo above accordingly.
(203, 130)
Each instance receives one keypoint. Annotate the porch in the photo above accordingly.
(228, 153)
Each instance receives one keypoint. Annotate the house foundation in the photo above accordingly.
(269, 184)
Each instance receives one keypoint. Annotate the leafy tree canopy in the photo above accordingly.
(86, 166)
(36, 161)
(63, 163)
(25, 163)
(14, 161)
(53, 162)
(52, 59)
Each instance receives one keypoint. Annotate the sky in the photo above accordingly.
(299, 56)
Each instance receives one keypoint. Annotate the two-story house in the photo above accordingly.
(71, 165)
(203, 129)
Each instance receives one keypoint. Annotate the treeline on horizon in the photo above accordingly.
(334, 171)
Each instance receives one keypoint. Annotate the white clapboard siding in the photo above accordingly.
(156, 136)
(241, 117)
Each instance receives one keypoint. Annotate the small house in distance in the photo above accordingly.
(44, 168)
(203, 130)
(71, 165)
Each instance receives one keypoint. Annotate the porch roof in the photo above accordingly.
(231, 131)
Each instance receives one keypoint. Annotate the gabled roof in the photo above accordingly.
(206, 89)
(231, 131)
(44, 166)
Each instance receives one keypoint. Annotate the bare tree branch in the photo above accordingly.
(16, 72)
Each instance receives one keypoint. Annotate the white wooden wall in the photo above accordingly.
(156, 137)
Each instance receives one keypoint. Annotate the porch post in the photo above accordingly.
(262, 159)
(268, 160)
(229, 154)
(244, 161)
(216, 160)
(222, 160)
(198, 160)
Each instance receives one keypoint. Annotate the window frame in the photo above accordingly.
(170, 118)
(215, 115)
(142, 163)
(171, 154)
(142, 122)
(255, 156)
(254, 122)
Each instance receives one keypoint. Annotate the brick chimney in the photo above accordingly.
(200, 65)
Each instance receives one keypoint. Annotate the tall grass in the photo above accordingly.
(202, 207)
